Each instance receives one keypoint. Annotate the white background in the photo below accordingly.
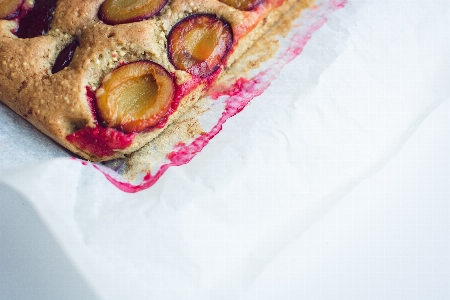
(334, 184)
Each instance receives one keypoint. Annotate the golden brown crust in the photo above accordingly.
(57, 103)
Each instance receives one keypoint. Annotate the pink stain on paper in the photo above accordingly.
(240, 94)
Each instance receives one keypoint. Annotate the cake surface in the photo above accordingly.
(84, 75)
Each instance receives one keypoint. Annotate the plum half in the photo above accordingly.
(9, 8)
(135, 96)
(199, 43)
(127, 11)
(243, 4)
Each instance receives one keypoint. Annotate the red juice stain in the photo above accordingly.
(90, 94)
(101, 141)
(240, 94)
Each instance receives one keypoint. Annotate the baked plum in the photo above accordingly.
(65, 57)
(243, 4)
(199, 44)
(9, 8)
(127, 11)
(37, 20)
(135, 96)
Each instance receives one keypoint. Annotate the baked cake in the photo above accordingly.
(105, 77)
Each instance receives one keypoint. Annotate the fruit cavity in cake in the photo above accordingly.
(126, 11)
(65, 57)
(199, 44)
(135, 96)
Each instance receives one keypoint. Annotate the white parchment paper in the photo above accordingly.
(334, 117)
